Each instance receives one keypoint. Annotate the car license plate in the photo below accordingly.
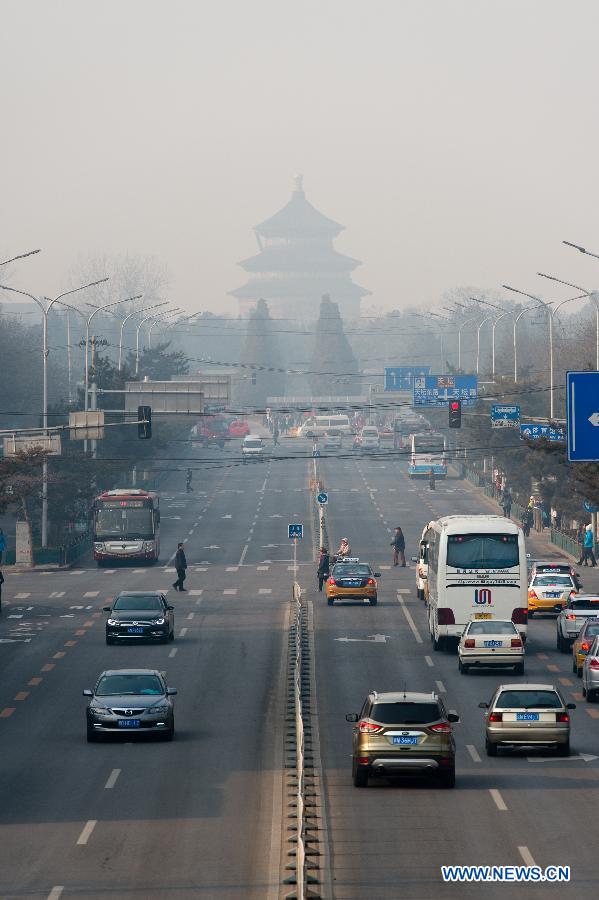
(527, 717)
(136, 630)
(404, 740)
(493, 644)
(128, 723)
(483, 616)
(552, 594)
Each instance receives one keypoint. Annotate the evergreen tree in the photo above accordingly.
(333, 366)
(261, 374)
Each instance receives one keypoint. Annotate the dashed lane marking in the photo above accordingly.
(473, 753)
(182, 632)
(196, 592)
(232, 569)
(262, 568)
(190, 615)
(265, 590)
(86, 832)
(78, 572)
(70, 643)
(56, 892)
(109, 571)
(7, 711)
(498, 799)
(112, 779)
(593, 713)
(527, 856)
(173, 652)
(429, 661)
(410, 620)
(48, 667)
(60, 655)
(542, 656)
(567, 682)
(33, 682)
(404, 590)
(22, 596)
(80, 631)
(230, 591)
(22, 695)
(56, 594)
(90, 594)
(553, 667)
(441, 687)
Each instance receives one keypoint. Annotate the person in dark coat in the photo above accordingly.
(1, 583)
(324, 567)
(180, 566)
(399, 545)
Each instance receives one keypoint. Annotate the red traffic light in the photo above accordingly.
(455, 404)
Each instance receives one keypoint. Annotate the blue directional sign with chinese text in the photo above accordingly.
(582, 416)
(505, 416)
(295, 531)
(401, 378)
(534, 430)
(438, 390)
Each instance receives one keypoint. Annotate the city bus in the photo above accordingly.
(427, 451)
(476, 568)
(126, 526)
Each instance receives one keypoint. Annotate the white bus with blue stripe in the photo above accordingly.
(428, 451)
(476, 569)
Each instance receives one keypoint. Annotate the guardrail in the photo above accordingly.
(565, 542)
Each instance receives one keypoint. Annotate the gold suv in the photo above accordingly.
(403, 733)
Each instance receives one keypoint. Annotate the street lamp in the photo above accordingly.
(139, 325)
(45, 350)
(87, 325)
(160, 318)
(126, 319)
(5, 262)
(592, 295)
(463, 325)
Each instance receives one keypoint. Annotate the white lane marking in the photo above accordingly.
(262, 568)
(173, 652)
(429, 661)
(232, 569)
(196, 593)
(190, 532)
(91, 593)
(473, 752)
(498, 799)
(403, 590)
(441, 687)
(138, 571)
(384, 567)
(526, 856)
(106, 572)
(183, 632)
(190, 615)
(265, 590)
(14, 616)
(112, 779)
(410, 620)
(79, 572)
(22, 596)
(230, 591)
(86, 833)
(56, 594)
(56, 892)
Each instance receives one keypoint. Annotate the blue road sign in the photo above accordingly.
(295, 531)
(582, 416)
(438, 390)
(535, 430)
(590, 507)
(401, 378)
(505, 416)
(323, 498)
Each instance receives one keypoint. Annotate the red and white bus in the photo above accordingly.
(126, 524)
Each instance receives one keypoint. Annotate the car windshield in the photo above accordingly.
(138, 602)
(590, 630)
(529, 700)
(482, 551)
(344, 570)
(492, 628)
(584, 603)
(545, 580)
(112, 685)
(253, 445)
(404, 712)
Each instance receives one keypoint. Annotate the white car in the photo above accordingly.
(491, 643)
(573, 616)
(333, 440)
(370, 438)
(252, 449)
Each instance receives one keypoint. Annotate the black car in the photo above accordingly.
(127, 701)
(140, 615)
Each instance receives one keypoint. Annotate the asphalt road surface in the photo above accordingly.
(205, 815)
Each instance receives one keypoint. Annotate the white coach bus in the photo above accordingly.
(476, 567)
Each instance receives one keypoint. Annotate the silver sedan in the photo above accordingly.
(527, 715)
(590, 673)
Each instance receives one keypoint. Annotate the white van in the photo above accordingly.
(252, 449)
(422, 565)
(319, 425)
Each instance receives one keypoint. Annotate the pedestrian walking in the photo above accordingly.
(506, 503)
(324, 567)
(396, 435)
(181, 567)
(1, 583)
(275, 434)
(399, 546)
(588, 548)
(2, 545)
(431, 479)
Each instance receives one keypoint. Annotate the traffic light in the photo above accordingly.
(144, 422)
(455, 413)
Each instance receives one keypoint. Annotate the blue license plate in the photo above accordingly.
(527, 717)
(135, 631)
(493, 644)
(128, 723)
(552, 594)
(404, 740)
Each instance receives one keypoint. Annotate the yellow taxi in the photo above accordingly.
(582, 644)
(550, 592)
(351, 579)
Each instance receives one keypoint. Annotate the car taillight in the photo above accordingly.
(570, 616)
(332, 581)
(496, 717)
(594, 663)
(585, 646)
(369, 728)
(445, 616)
(562, 717)
(520, 615)
(371, 581)
(516, 642)
(470, 643)
(532, 595)
(441, 728)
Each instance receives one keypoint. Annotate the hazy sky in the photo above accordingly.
(457, 140)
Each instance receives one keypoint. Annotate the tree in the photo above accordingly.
(333, 367)
(261, 367)
(158, 364)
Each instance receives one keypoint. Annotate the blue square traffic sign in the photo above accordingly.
(295, 531)
(582, 416)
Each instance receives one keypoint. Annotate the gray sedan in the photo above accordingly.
(590, 673)
(130, 701)
(527, 715)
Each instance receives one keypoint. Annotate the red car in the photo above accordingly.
(238, 428)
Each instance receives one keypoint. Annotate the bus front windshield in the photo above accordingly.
(482, 551)
(134, 524)
(429, 443)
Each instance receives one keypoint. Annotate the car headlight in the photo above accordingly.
(160, 621)
(112, 622)
(98, 546)
(100, 711)
(159, 710)
(148, 545)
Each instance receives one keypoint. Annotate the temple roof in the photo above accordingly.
(298, 219)
(299, 288)
(299, 258)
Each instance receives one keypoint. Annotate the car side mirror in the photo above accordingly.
(171, 692)
(377, 574)
(106, 608)
(483, 705)
(352, 717)
(170, 606)
(453, 717)
(87, 693)
(570, 706)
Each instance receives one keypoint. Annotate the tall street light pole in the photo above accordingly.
(45, 351)
(126, 319)
(160, 318)
(463, 325)
(592, 295)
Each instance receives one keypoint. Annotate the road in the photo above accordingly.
(206, 815)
